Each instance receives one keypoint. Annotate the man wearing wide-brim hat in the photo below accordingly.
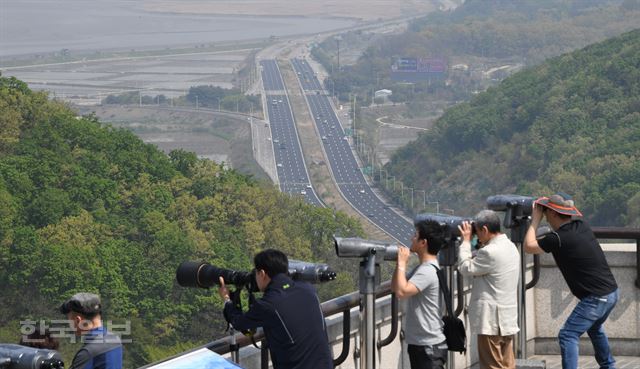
(585, 269)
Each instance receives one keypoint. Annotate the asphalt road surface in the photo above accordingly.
(342, 162)
(290, 165)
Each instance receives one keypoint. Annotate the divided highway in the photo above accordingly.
(290, 165)
(342, 162)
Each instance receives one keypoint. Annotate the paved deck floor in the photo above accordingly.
(588, 362)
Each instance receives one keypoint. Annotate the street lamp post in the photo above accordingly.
(338, 38)
(411, 188)
(437, 206)
(385, 173)
(424, 198)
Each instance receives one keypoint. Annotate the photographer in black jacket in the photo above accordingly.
(289, 313)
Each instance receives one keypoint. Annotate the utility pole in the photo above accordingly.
(424, 198)
(338, 38)
(411, 188)
(353, 120)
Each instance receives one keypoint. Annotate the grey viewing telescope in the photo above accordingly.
(370, 252)
(23, 357)
(359, 247)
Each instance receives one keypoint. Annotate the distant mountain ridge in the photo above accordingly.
(571, 124)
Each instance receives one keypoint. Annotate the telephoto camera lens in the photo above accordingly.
(205, 275)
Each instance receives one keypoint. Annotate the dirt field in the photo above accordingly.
(220, 139)
(365, 10)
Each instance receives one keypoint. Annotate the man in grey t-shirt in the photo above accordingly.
(423, 325)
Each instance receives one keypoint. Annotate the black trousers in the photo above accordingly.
(427, 357)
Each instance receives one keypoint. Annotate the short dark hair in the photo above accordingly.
(431, 231)
(272, 262)
(489, 219)
(86, 304)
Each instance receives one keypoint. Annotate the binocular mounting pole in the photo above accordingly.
(519, 223)
(368, 285)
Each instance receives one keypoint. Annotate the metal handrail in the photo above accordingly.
(343, 304)
(394, 323)
(536, 272)
(623, 234)
(346, 338)
(601, 233)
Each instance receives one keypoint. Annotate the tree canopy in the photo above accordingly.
(87, 207)
(479, 33)
(571, 124)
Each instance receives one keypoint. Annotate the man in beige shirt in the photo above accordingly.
(493, 310)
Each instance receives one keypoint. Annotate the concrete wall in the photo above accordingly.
(553, 303)
(548, 305)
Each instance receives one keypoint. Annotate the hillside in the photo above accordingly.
(87, 207)
(569, 124)
(479, 35)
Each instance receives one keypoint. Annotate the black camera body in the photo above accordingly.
(23, 357)
(448, 254)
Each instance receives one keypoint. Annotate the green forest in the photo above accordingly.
(88, 207)
(570, 124)
(478, 33)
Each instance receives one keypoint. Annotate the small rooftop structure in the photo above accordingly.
(384, 93)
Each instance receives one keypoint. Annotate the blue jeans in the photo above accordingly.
(588, 316)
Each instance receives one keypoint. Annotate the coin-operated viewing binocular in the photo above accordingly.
(449, 235)
(358, 247)
(516, 207)
(517, 214)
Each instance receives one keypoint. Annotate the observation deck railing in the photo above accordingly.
(344, 304)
